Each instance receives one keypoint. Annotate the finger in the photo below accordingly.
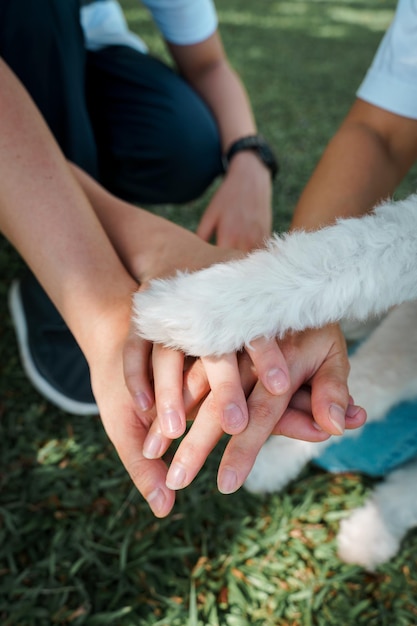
(195, 389)
(239, 456)
(206, 227)
(229, 398)
(301, 402)
(270, 365)
(156, 443)
(127, 435)
(355, 416)
(194, 449)
(136, 367)
(205, 432)
(319, 358)
(297, 424)
(168, 383)
(330, 395)
(196, 385)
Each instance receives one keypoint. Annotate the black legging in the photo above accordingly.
(123, 116)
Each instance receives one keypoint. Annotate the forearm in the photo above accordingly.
(362, 165)
(149, 246)
(46, 216)
(206, 68)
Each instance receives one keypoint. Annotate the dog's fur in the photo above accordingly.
(355, 269)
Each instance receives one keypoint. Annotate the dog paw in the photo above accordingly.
(365, 539)
(279, 461)
(198, 313)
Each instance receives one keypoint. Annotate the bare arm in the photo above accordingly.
(148, 245)
(206, 68)
(362, 165)
(46, 216)
(240, 212)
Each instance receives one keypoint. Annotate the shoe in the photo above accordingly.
(50, 356)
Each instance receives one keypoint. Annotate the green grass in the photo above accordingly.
(77, 543)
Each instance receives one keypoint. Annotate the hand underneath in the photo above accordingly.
(239, 215)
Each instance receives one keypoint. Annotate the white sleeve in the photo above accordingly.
(104, 24)
(391, 81)
(184, 21)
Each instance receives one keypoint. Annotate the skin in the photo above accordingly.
(362, 165)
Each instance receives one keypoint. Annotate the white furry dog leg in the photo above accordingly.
(279, 461)
(353, 269)
(373, 533)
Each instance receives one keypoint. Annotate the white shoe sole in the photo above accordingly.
(40, 384)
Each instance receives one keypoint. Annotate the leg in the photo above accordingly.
(157, 140)
(373, 533)
(279, 461)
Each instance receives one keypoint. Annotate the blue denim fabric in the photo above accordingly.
(379, 448)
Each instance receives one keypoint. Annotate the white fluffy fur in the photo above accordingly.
(302, 280)
(355, 269)
(372, 534)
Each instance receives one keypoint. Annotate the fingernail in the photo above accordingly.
(228, 481)
(172, 421)
(233, 418)
(277, 380)
(176, 476)
(317, 427)
(156, 500)
(337, 418)
(143, 401)
(352, 410)
(152, 447)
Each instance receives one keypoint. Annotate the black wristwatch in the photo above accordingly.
(257, 144)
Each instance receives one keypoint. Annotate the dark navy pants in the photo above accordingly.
(124, 117)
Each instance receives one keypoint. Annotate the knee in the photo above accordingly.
(176, 165)
(193, 161)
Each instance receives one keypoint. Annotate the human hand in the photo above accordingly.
(314, 405)
(125, 420)
(239, 214)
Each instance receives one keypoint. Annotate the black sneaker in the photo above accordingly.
(51, 357)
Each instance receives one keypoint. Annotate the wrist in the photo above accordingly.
(258, 147)
(248, 166)
(104, 325)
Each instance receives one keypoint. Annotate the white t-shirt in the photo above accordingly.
(180, 22)
(391, 81)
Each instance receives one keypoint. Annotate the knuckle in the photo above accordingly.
(261, 412)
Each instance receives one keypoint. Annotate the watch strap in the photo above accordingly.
(259, 145)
